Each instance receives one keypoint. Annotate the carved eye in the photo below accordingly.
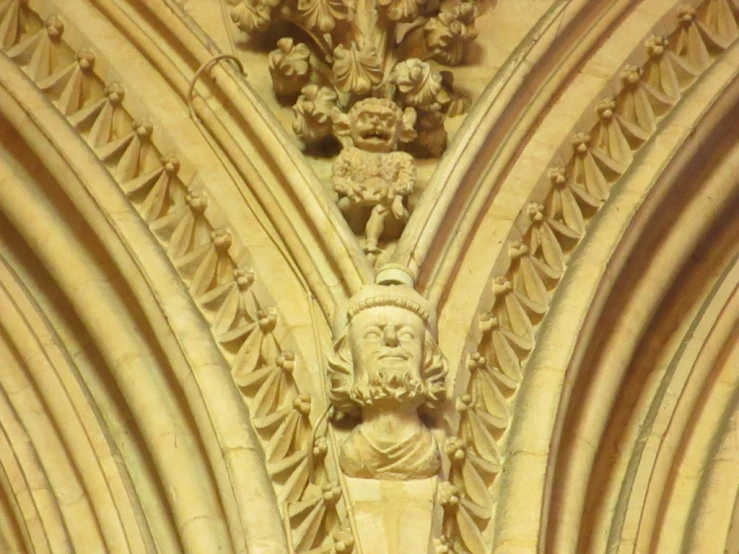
(372, 334)
(406, 335)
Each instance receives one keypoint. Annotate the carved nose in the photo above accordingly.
(390, 336)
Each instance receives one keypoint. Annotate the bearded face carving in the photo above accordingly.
(386, 366)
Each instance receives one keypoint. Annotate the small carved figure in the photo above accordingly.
(371, 178)
(386, 365)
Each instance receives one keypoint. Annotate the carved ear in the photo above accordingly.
(341, 127)
(408, 122)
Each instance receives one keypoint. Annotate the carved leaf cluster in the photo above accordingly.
(357, 70)
(448, 34)
(521, 295)
(402, 11)
(313, 113)
(359, 54)
(289, 67)
(205, 256)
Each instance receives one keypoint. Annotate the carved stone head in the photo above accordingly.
(386, 351)
(375, 125)
(386, 365)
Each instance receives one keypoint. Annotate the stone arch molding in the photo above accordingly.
(168, 288)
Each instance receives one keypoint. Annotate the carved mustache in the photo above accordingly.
(394, 353)
(405, 387)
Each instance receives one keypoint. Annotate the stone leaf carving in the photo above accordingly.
(289, 67)
(382, 50)
(356, 70)
(448, 34)
(386, 366)
(313, 113)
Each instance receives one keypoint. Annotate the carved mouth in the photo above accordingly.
(376, 136)
(394, 357)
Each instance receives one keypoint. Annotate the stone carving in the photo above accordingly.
(380, 50)
(386, 366)
(371, 179)
(507, 328)
(244, 327)
(207, 257)
(450, 31)
(363, 76)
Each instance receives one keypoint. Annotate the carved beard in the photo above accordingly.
(401, 388)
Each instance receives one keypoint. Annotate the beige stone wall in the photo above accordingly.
(173, 256)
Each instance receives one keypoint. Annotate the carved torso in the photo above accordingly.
(355, 168)
(365, 457)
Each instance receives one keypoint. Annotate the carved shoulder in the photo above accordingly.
(344, 167)
(350, 156)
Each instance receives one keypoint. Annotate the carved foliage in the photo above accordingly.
(352, 55)
(448, 34)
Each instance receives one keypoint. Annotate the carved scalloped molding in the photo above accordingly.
(242, 323)
(612, 450)
(522, 294)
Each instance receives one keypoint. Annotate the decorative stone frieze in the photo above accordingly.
(242, 323)
(521, 295)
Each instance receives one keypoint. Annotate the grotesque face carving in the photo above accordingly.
(375, 127)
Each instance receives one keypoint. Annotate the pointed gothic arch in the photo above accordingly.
(168, 285)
